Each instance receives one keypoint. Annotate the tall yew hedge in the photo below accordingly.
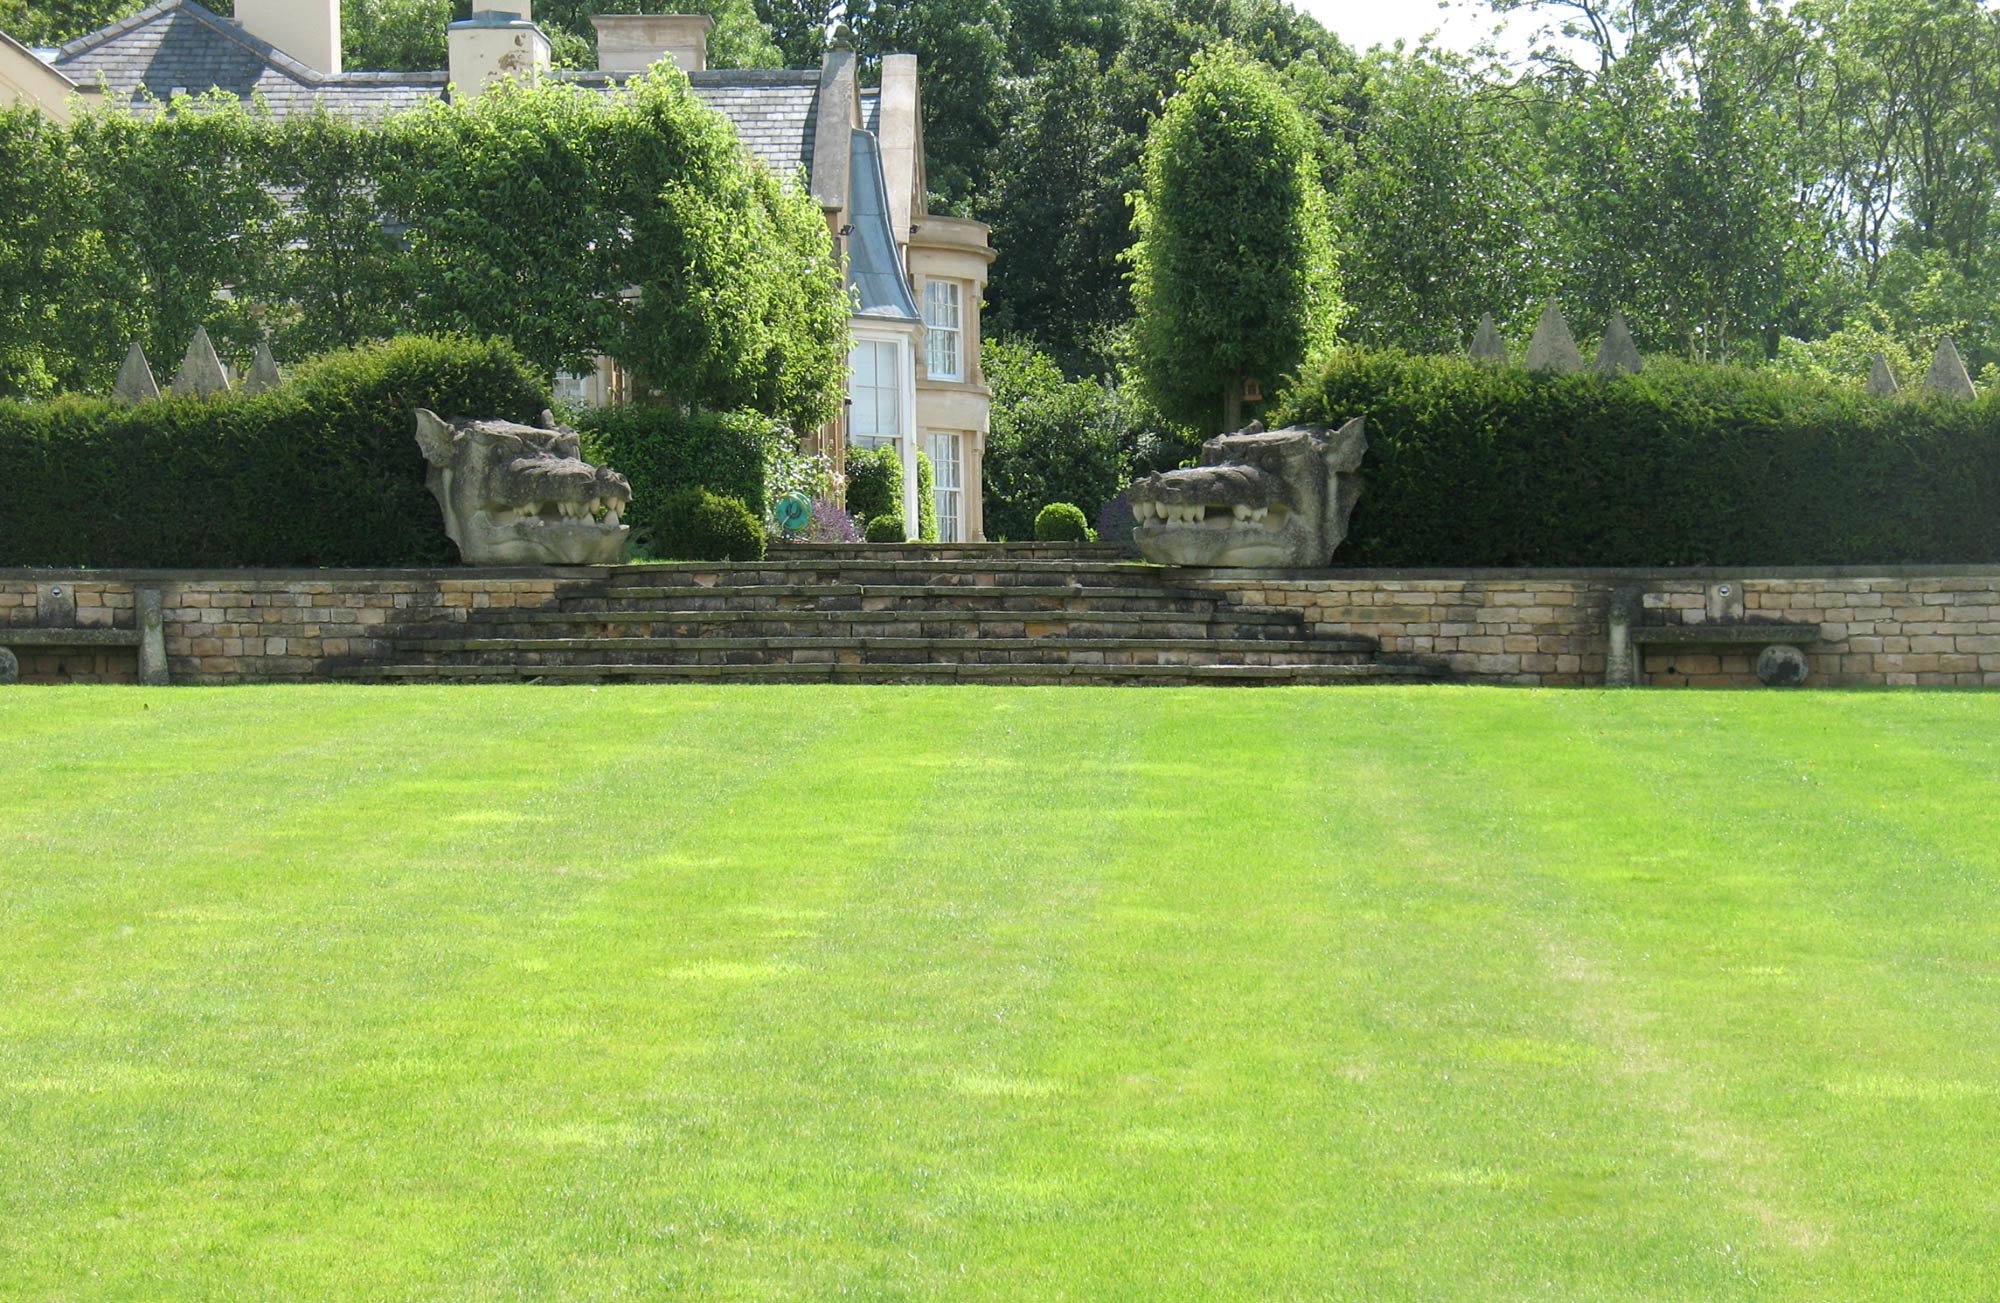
(323, 471)
(1682, 465)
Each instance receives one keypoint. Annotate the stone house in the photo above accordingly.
(917, 278)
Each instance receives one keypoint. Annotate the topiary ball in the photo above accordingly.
(1062, 522)
(696, 525)
(886, 529)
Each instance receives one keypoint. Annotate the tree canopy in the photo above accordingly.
(1762, 181)
(575, 223)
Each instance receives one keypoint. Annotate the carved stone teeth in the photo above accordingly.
(611, 515)
(1197, 513)
(1242, 512)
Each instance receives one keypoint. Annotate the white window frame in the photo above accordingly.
(948, 498)
(902, 347)
(944, 328)
(866, 403)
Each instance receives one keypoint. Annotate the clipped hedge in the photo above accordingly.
(1679, 466)
(886, 529)
(323, 471)
(927, 517)
(665, 451)
(698, 525)
(874, 483)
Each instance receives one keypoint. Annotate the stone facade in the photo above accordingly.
(1920, 627)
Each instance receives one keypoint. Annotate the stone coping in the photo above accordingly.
(777, 559)
(1611, 574)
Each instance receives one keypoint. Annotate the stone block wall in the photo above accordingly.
(1930, 626)
(1935, 626)
(1516, 627)
(257, 626)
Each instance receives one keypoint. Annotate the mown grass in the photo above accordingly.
(781, 994)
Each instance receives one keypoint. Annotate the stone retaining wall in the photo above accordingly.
(1882, 626)
(258, 626)
(1896, 626)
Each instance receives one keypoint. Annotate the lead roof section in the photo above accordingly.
(875, 275)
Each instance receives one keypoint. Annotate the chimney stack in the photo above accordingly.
(308, 30)
(635, 42)
(499, 40)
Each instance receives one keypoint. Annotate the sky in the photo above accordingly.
(1362, 23)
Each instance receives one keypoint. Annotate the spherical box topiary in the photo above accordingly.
(696, 525)
(886, 529)
(1062, 522)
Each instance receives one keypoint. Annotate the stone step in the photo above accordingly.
(995, 597)
(1012, 574)
(886, 650)
(922, 672)
(951, 551)
(657, 623)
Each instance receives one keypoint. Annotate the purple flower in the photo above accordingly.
(830, 523)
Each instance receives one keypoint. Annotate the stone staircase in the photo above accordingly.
(909, 614)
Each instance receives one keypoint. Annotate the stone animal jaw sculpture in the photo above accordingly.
(1277, 499)
(522, 495)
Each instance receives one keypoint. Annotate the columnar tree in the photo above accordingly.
(1232, 275)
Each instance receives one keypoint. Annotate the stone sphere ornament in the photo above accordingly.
(1782, 666)
(10, 669)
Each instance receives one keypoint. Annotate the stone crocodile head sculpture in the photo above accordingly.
(1276, 499)
(522, 495)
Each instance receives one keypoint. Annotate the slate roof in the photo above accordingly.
(775, 113)
(179, 45)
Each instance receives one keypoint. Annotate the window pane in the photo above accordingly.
(873, 386)
(941, 304)
(942, 346)
(947, 485)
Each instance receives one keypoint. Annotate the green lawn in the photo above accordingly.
(787, 994)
